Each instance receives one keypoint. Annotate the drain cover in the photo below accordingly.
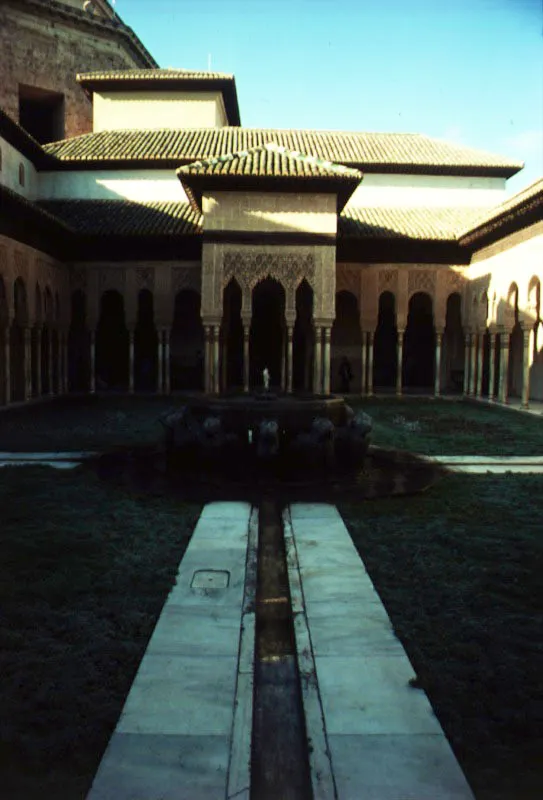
(210, 579)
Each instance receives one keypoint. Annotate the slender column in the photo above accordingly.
(526, 333)
(363, 363)
(28, 364)
(504, 366)
(7, 364)
(246, 363)
(399, 361)
(437, 376)
(50, 361)
(370, 364)
(92, 362)
(290, 334)
(216, 362)
(480, 358)
(167, 366)
(467, 350)
(208, 355)
(283, 362)
(131, 361)
(38, 361)
(326, 364)
(473, 366)
(65, 363)
(317, 362)
(491, 366)
(160, 374)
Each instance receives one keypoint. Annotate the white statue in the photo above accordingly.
(266, 378)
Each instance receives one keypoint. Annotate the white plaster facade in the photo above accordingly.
(142, 110)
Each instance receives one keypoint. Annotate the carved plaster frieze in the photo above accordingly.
(388, 280)
(112, 278)
(186, 278)
(249, 269)
(145, 278)
(348, 280)
(422, 280)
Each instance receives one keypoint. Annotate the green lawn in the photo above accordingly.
(85, 568)
(459, 570)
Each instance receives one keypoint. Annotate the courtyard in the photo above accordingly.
(87, 565)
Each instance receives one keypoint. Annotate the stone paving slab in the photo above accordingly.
(383, 739)
(180, 723)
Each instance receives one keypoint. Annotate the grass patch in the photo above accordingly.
(459, 571)
(85, 568)
(445, 427)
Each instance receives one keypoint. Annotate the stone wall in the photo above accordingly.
(47, 51)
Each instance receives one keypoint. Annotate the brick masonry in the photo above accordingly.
(47, 51)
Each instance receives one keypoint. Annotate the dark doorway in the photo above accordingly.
(385, 354)
(111, 344)
(232, 333)
(419, 343)
(266, 343)
(303, 339)
(41, 113)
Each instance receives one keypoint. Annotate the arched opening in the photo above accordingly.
(111, 343)
(346, 340)
(187, 342)
(302, 342)
(78, 345)
(516, 343)
(232, 336)
(145, 344)
(266, 341)
(452, 376)
(419, 346)
(17, 354)
(3, 324)
(384, 343)
(46, 365)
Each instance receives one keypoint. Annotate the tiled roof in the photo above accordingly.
(125, 218)
(402, 152)
(170, 79)
(432, 224)
(528, 199)
(121, 217)
(269, 160)
(151, 75)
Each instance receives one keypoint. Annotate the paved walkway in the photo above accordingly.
(185, 730)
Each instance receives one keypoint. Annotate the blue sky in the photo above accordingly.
(470, 72)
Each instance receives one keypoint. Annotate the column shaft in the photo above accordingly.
(504, 367)
(326, 364)
(491, 366)
(467, 350)
(473, 366)
(437, 376)
(370, 363)
(317, 362)
(399, 362)
(131, 361)
(290, 334)
(480, 359)
(363, 363)
(526, 333)
(92, 362)
(28, 364)
(246, 362)
(167, 366)
(38, 362)
(283, 361)
(216, 359)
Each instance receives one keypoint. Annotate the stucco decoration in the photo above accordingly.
(78, 279)
(388, 281)
(348, 280)
(422, 280)
(21, 265)
(249, 269)
(186, 278)
(144, 278)
(454, 281)
(112, 278)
